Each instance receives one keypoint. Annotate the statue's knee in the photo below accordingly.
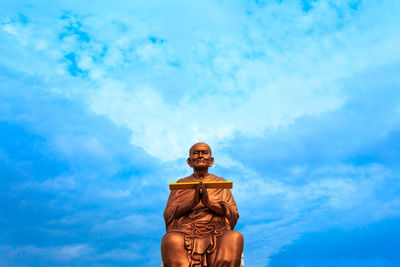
(172, 240)
(236, 237)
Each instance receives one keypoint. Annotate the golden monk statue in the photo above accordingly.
(200, 221)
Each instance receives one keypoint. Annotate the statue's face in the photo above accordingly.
(200, 156)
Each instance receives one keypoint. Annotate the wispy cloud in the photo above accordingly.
(62, 253)
(264, 77)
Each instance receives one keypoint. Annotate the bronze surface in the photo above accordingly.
(200, 223)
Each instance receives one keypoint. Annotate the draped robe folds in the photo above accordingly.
(201, 227)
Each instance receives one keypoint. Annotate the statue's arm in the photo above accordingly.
(184, 208)
(216, 207)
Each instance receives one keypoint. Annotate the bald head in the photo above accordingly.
(200, 145)
(200, 156)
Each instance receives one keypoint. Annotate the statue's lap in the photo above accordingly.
(175, 240)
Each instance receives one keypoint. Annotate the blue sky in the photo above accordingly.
(100, 101)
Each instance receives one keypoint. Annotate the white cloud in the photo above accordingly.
(243, 77)
(240, 94)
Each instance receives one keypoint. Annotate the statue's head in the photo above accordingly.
(200, 156)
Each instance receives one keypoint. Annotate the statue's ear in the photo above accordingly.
(189, 162)
(211, 162)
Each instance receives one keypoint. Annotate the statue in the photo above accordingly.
(199, 222)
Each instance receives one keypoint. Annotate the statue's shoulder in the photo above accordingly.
(185, 180)
(213, 177)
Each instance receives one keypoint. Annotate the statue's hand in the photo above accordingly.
(204, 196)
(197, 195)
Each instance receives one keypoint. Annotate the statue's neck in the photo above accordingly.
(200, 173)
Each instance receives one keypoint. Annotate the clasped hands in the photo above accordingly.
(200, 195)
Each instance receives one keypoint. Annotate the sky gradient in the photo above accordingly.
(101, 100)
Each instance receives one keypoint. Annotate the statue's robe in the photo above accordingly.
(201, 227)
